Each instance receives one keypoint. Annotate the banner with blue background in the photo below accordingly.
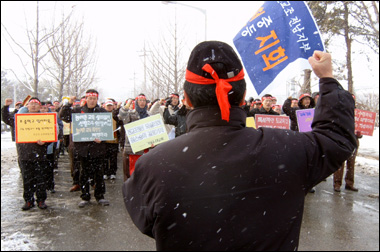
(278, 34)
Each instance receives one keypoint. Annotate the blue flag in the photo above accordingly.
(278, 34)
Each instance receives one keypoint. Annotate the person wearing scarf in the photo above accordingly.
(128, 115)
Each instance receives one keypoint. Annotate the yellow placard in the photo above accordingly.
(146, 132)
(250, 122)
(33, 127)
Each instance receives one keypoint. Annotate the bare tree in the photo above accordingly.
(167, 65)
(35, 51)
(74, 61)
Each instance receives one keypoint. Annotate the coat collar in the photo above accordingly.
(211, 116)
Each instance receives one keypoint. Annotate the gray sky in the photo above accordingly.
(121, 28)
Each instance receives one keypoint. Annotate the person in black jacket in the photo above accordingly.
(32, 159)
(91, 154)
(305, 102)
(178, 118)
(225, 186)
(8, 117)
(265, 108)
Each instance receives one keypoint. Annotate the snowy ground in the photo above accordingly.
(62, 205)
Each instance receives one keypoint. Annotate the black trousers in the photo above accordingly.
(111, 159)
(34, 174)
(92, 168)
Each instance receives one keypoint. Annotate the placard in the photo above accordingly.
(32, 127)
(365, 121)
(272, 121)
(250, 122)
(88, 126)
(66, 128)
(145, 132)
(304, 119)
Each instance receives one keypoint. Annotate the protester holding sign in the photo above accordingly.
(225, 186)
(91, 154)
(127, 115)
(304, 102)
(32, 159)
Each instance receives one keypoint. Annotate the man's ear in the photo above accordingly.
(243, 100)
(188, 100)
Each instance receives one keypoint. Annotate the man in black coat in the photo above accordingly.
(91, 154)
(223, 186)
(32, 159)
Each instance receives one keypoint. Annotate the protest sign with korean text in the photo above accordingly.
(145, 132)
(272, 121)
(88, 126)
(31, 127)
(280, 33)
(365, 122)
(304, 119)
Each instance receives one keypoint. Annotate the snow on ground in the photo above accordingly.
(367, 160)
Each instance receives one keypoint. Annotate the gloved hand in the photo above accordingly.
(168, 102)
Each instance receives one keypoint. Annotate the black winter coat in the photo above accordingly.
(9, 119)
(262, 111)
(291, 112)
(223, 186)
(25, 151)
(178, 119)
(84, 149)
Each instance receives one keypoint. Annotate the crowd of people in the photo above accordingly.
(210, 170)
(91, 163)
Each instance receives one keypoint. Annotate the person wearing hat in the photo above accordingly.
(304, 102)
(110, 167)
(225, 186)
(32, 159)
(91, 154)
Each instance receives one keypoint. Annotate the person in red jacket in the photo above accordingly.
(225, 186)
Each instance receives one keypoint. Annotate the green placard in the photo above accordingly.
(145, 132)
(88, 126)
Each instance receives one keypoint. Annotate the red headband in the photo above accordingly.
(222, 87)
(34, 100)
(140, 97)
(91, 94)
(173, 95)
(266, 98)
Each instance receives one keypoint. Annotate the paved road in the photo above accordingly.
(332, 221)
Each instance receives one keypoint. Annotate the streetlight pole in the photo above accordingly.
(201, 10)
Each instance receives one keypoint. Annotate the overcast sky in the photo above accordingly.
(121, 28)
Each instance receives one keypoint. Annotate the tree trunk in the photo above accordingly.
(306, 81)
(348, 45)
